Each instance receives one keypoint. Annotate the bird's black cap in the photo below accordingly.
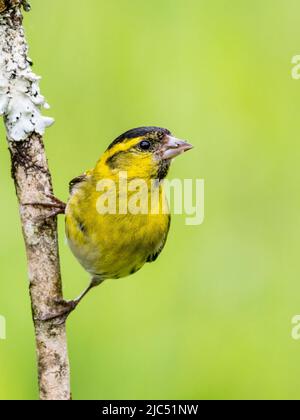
(139, 132)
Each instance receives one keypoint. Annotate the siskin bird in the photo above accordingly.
(111, 246)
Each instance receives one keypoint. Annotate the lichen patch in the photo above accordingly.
(20, 99)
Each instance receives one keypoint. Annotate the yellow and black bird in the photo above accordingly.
(118, 244)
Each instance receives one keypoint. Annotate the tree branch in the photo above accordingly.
(20, 105)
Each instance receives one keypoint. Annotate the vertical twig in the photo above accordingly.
(20, 104)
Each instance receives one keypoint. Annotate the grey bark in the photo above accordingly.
(32, 180)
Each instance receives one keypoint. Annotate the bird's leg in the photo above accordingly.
(70, 305)
(75, 302)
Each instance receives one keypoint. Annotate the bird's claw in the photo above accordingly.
(60, 316)
(57, 206)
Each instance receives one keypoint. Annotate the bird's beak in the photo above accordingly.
(174, 147)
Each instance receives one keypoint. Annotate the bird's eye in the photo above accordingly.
(145, 145)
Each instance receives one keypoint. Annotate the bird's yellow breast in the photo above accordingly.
(112, 245)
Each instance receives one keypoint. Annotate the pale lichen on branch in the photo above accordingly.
(20, 98)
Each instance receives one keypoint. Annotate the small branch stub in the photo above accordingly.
(8, 4)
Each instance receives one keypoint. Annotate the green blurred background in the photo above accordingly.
(212, 317)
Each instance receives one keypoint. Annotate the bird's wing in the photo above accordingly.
(153, 257)
(74, 183)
